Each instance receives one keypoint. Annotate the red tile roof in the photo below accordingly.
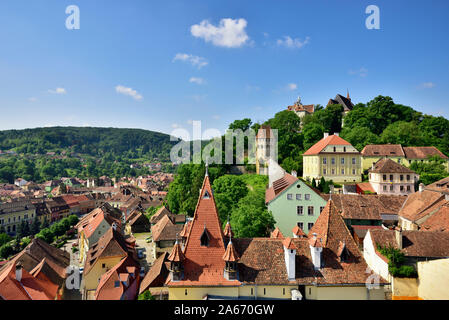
(228, 231)
(230, 253)
(204, 265)
(382, 150)
(297, 231)
(386, 165)
(423, 152)
(421, 204)
(277, 234)
(278, 186)
(176, 254)
(439, 221)
(323, 143)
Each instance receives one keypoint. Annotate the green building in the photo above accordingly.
(293, 203)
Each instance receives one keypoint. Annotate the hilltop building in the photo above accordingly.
(334, 159)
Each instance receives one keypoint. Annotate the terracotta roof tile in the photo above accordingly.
(323, 143)
(277, 234)
(230, 253)
(383, 150)
(386, 165)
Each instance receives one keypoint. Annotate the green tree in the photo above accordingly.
(251, 218)
(228, 190)
(35, 226)
(4, 238)
(146, 295)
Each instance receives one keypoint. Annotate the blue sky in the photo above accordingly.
(159, 65)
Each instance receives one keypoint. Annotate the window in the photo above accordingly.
(264, 291)
(204, 238)
(333, 171)
(408, 188)
(117, 284)
(391, 177)
(300, 210)
(299, 196)
(401, 177)
(206, 195)
(384, 177)
(342, 160)
(283, 291)
(391, 187)
(310, 225)
(402, 188)
(333, 160)
(408, 177)
(344, 149)
(353, 161)
(342, 171)
(324, 160)
(103, 265)
(300, 225)
(289, 196)
(385, 188)
(307, 196)
(310, 210)
(353, 171)
(252, 291)
(324, 171)
(321, 209)
(185, 292)
(335, 149)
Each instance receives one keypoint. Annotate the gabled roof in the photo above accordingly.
(111, 244)
(386, 165)
(423, 152)
(176, 255)
(204, 265)
(165, 229)
(439, 221)
(297, 231)
(277, 234)
(29, 287)
(332, 140)
(383, 150)
(112, 287)
(278, 186)
(228, 233)
(440, 186)
(366, 207)
(156, 276)
(420, 204)
(344, 101)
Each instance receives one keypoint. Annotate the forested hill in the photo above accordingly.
(131, 143)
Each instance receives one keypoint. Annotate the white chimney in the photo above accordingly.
(337, 134)
(290, 258)
(315, 252)
(398, 236)
(114, 226)
(326, 134)
(421, 187)
(294, 173)
(19, 271)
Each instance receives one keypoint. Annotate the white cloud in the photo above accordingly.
(427, 85)
(229, 33)
(57, 91)
(362, 72)
(195, 61)
(292, 86)
(197, 80)
(128, 92)
(292, 43)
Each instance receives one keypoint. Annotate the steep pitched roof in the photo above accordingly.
(344, 101)
(439, 221)
(165, 229)
(176, 255)
(160, 213)
(29, 287)
(230, 253)
(332, 140)
(386, 165)
(204, 265)
(421, 204)
(157, 275)
(277, 234)
(111, 244)
(297, 231)
(278, 186)
(112, 286)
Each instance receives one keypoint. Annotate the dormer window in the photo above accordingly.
(204, 238)
(206, 195)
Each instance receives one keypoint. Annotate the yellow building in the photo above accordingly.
(211, 264)
(402, 155)
(14, 212)
(103, 256)
(334, 159)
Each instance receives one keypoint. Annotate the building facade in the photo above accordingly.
(334, 159)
